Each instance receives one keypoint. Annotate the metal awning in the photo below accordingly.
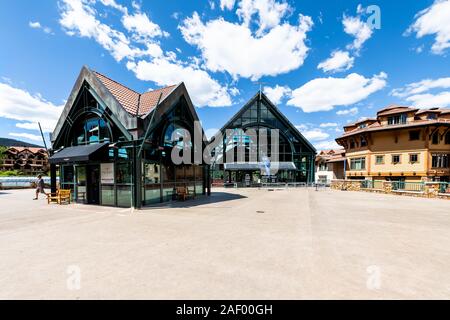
(96, 151)
(234, 166)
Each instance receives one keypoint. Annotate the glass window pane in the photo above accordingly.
(108, 196)
(124, 153)
(151, 173)
(81, 184)
(152, 193)
(68, 174)
(123, 172)
(92, 130)
(104, 136)
(124, 196)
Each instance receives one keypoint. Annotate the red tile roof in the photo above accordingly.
(333, 155)
(133, 102)
(395, 110)
(392, 109)
(31, 149)
(150, 99)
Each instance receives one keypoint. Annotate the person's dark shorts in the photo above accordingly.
(40, 190)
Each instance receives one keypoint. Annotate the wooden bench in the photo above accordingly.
(61, 195)
(183, 193)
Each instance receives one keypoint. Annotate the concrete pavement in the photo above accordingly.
(237, 244)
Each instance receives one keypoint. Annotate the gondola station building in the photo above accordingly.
(245, 155)
(114, 146)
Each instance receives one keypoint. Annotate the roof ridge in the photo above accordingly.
(162, 88)
(99, 73)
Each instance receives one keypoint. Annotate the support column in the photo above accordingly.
(311, 169)
(53, 178)
(208, 179)
(137, 180)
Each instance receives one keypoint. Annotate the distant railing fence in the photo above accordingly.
(428, 189)
(21, 182)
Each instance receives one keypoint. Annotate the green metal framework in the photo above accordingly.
(92, 115)
(261, 114)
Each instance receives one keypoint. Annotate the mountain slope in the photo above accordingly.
(7, 142)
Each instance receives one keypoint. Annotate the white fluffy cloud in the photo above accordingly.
(352, 111)
(137, 42)
(423, 93)
(322, 94)
(34, 25)
(319, 138)
(326, 145)
(227, 4)
(328, 125)
(277, 93)
(434, 20)
(209, 133)
(339, 61)
(361, 31)
(315, 134)
(29, 136)
(203, 89)
(429, 100)
(37, 25)
(78, 17)
(231, 47)
(115, 5)
(20, 105)
(141, 26)
(269, 13)
(357, 28)
(421, 87)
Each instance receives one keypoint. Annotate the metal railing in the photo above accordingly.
(408, 186)
(292, 185)
(21, 182)
(444, 187)
(372, 184)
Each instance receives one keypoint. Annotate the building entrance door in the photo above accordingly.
(93, 184)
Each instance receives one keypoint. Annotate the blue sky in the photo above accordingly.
(324, 63)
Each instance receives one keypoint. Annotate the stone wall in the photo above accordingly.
(430, 189)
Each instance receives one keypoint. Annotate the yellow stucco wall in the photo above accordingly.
(396, 142)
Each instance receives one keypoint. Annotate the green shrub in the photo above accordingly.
(10, 173)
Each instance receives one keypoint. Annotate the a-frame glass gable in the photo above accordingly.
(261, 145)
(161, 176)
(90, 124)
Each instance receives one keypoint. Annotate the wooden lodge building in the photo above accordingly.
(27, 160)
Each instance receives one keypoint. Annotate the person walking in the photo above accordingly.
(39, 186)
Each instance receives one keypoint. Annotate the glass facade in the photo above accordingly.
(259, 131)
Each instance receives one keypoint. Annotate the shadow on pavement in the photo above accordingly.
(215, 197)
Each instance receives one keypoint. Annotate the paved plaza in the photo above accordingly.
(236, 244)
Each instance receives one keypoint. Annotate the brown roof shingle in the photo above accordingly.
(149, 99)
(133, 102)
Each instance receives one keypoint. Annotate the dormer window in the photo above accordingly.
(362, 125)
(432, 116)
(400, 119)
